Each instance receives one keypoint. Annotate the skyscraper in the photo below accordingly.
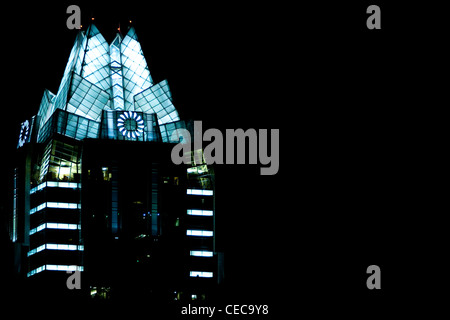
(95, 189)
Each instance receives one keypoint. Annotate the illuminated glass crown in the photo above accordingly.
(103, 83)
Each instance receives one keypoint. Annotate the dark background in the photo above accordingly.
(348, 104)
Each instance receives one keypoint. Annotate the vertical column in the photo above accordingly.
(154, 206)
(14, 217)
(115, 200)
(116, 74)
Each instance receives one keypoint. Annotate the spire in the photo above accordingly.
(100, 76)
(95, 61)
(116, 73)
(117, 40)
(132, 33)
(86, 86)
(136, 75)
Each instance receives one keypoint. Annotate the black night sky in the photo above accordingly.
(342, 197)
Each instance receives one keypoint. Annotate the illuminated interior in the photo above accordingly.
(100, 78)
(107, 93)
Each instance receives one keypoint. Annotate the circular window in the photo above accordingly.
(130, 124)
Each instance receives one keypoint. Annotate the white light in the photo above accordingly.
(52, 225)
(56, 246)
(201, 274)
(51, 267)
(37, 270)
(63, 205)
(60, 205)
(199, 192)
(56, 267)
(24, 132)
(128, 132)
(195, 212)
(199, 233)
(38, 208)
(36, 250)
(196, 253)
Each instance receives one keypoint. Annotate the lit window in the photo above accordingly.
(36, 250)
(55, 267)
(199, 192)
(50, 225)
(197, 253)
(55, 246)
(38, 208)
(37, 270)
(37, 229)
(130, 124)
(195, 212)
(61, 205)
(199, 233)
(201, 274)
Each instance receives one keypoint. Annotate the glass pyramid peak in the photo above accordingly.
(132, 33)
(101, 76)
(92, 30)
(117, 40)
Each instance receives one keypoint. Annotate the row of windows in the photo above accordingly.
(55, 246)
(60, 226)
(156, 100)
(56, 184)
(79, 127)
(168, 130)
(60, 161)
(201, 274)
(71, 125)
(55, 267)
(199, 192)
(63, 150)
(87, 103)
(199, 233)
(196, 212)
(60, 205)
(201, 253)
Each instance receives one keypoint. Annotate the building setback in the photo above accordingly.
(95, 189)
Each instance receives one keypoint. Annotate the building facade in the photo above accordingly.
(95, 189)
